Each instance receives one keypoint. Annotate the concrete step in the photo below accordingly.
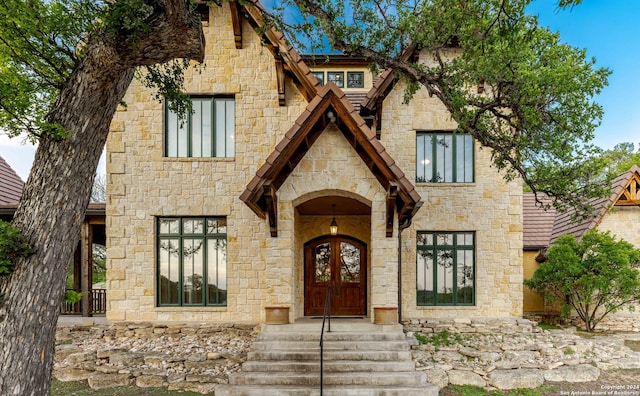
(330, 345)
(268, 366)
(333, 336)
(348, 325)
(412, 378)
(329, 390)
(314, 355)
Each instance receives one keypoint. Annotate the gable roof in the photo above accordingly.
(563, 224)
(286, 57)
(625, 191)
(371, 105)
(260, 192)
(10, 184)
(537, 222)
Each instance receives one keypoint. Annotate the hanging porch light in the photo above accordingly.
(333, 227)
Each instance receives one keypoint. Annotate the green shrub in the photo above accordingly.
(12, 247)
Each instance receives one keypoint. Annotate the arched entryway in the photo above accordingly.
(339, 262)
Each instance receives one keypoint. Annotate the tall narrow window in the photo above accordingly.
(445, 273)
(444, 157)
(209, 131)
(192, 261)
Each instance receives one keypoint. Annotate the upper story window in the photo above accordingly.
(320, 76)
(336, 78)
(355, 79)
(209, 131)
(444, 157)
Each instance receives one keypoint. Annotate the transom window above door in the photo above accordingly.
(208, 131)
(444, 157)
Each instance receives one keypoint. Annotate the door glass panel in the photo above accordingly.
(323, 262)
(349, 263)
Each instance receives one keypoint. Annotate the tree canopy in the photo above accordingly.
(511, 83)
(594, 276)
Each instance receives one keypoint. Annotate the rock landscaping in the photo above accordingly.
(511, 354)
(498, 354)
(177, 356)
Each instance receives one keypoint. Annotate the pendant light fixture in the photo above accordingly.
(333, 227)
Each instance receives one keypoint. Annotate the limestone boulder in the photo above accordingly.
(514, 379)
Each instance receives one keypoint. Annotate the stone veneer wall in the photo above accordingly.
(490, 206)
(624, 223)
(142, 184)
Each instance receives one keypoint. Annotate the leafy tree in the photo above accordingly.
(594, 276)
(65, 66)
(621, 158)
(505, 79)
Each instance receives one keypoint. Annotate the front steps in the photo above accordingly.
(360, 358)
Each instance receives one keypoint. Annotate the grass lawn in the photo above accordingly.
(81, 388)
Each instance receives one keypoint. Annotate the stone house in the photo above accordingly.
(227, 214)
(619, 214)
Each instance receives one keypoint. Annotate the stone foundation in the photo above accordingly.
(472, 325)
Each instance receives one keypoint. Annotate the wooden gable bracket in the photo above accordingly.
(236, 21)
(631, 194)
(392, 195)
(271, 203)
(378, 119)
(280, 79)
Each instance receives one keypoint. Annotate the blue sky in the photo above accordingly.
(608, 29)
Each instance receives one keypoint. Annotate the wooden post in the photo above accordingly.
(86, 271)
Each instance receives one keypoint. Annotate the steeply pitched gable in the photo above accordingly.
(10, 184)
(260, 194)
(287, 59)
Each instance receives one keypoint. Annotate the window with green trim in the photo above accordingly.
(355, 79)
(319, 75)
(336, 78)
(444, 157)
(445, 273)
(192, 261)
(209, 131)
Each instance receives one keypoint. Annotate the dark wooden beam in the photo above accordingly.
(392, 194)
(271, 201)
(281, 81)
(236, 21)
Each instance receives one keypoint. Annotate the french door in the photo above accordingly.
(341, 263)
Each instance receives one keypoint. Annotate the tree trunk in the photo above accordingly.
(57, 192)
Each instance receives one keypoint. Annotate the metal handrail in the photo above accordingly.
(325, 315)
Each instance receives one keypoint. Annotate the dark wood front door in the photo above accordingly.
(339, 262)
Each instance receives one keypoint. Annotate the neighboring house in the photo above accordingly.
(227, 213)
(619, 214)
(10, 184)
(93, 231)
